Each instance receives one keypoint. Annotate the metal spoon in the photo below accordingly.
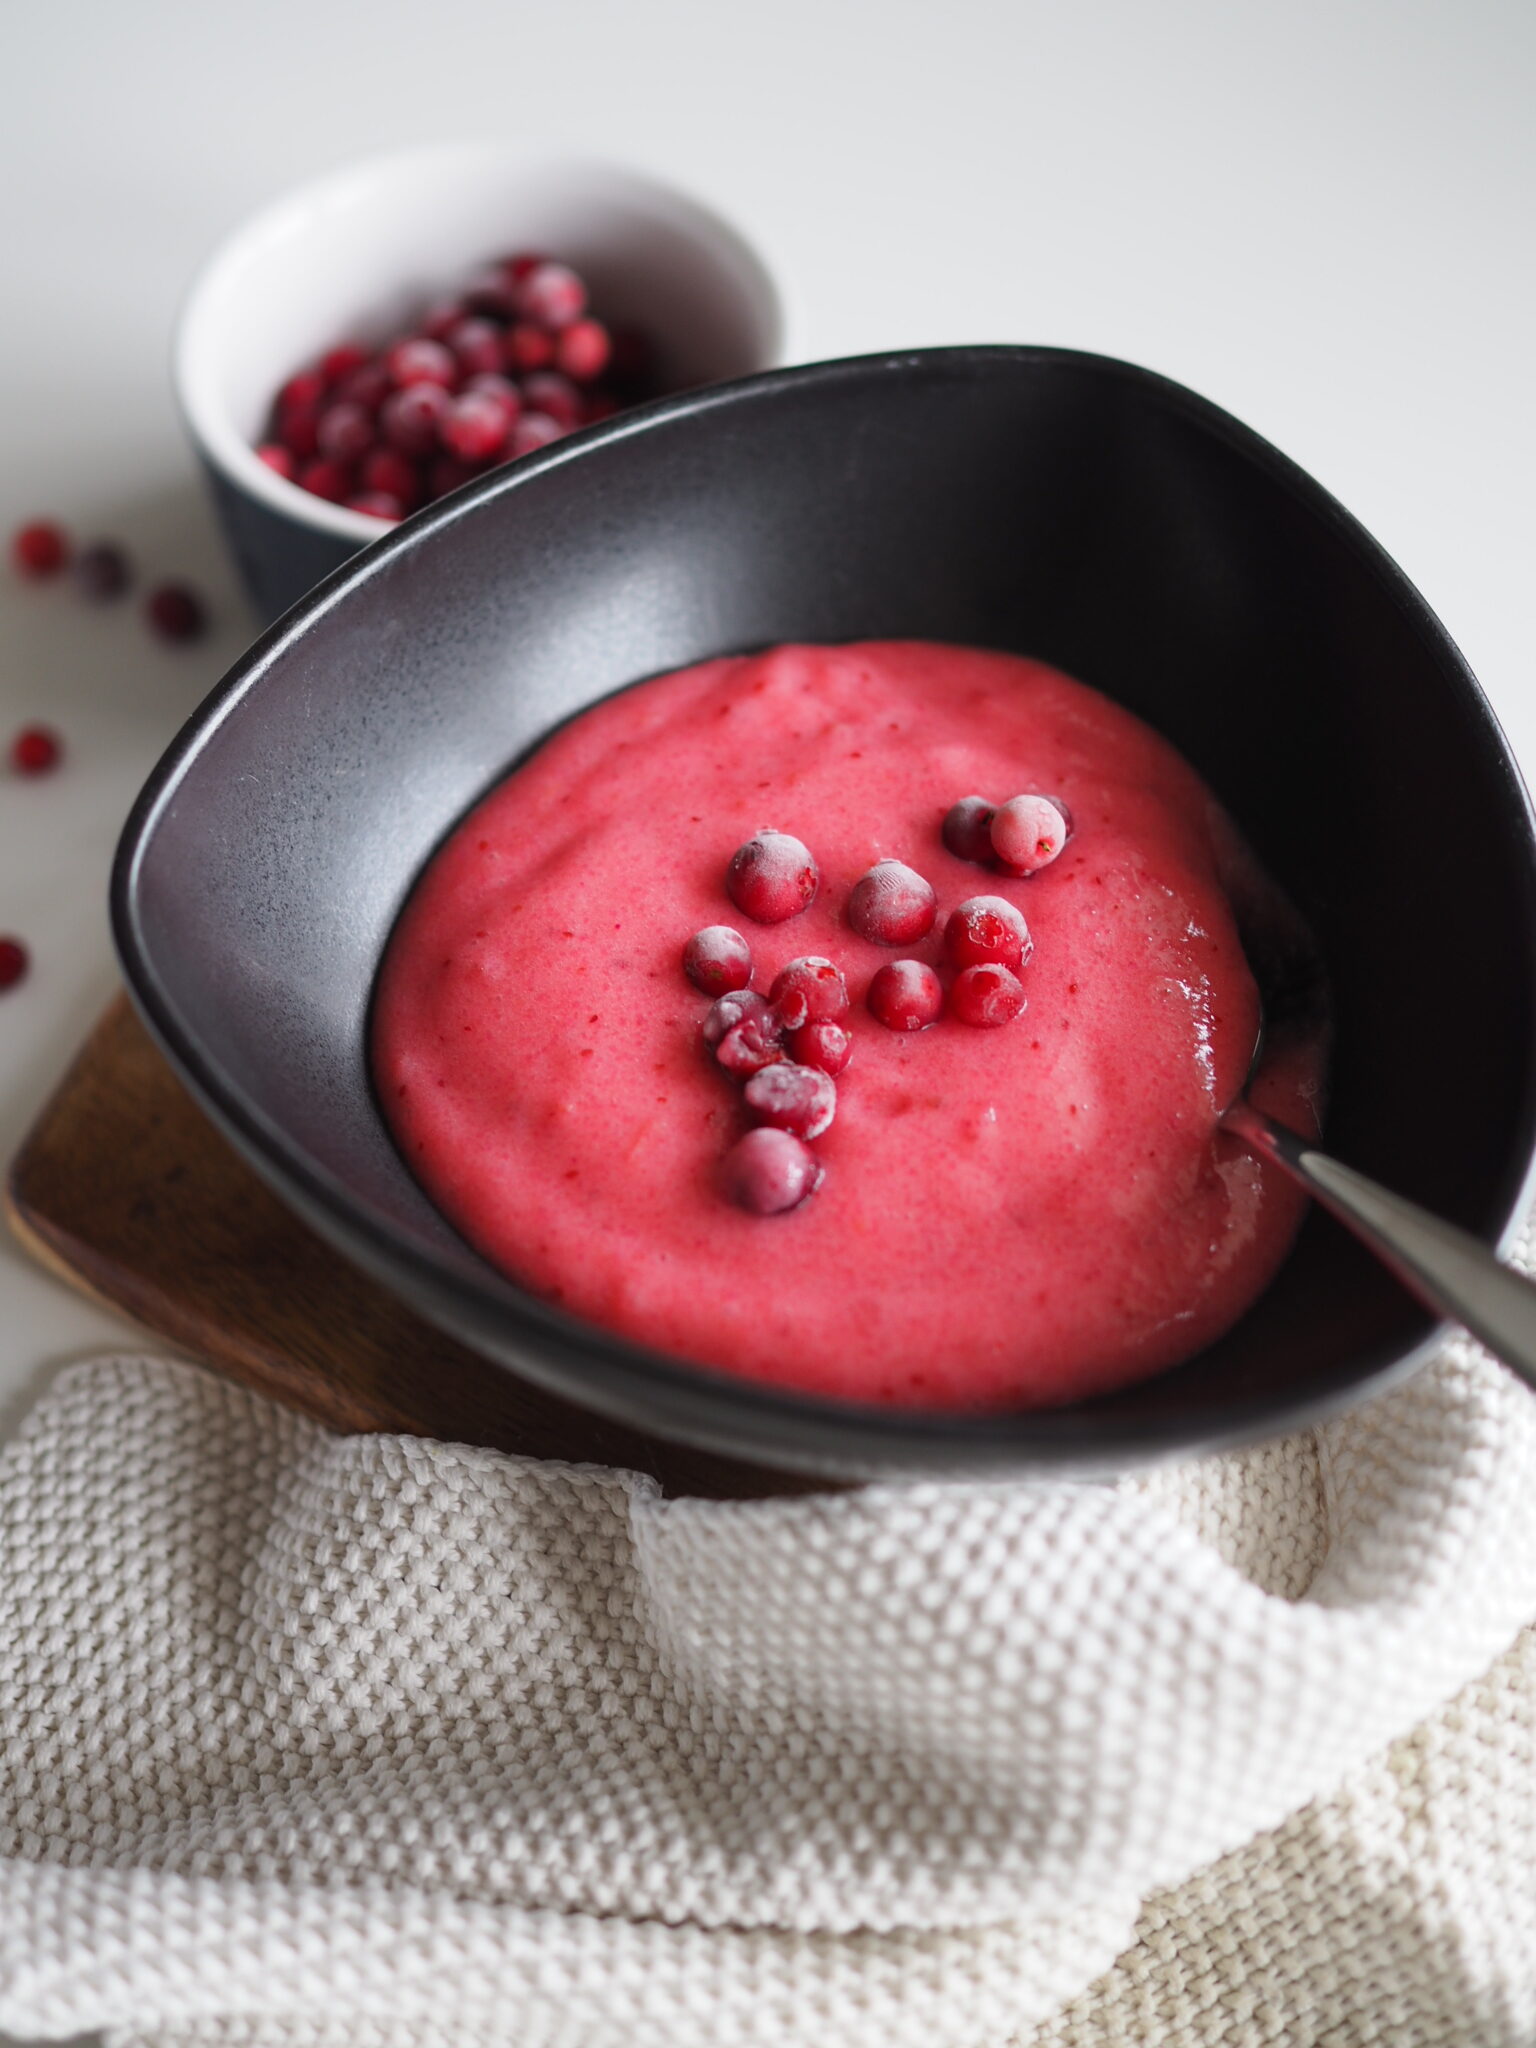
(1450, 1271)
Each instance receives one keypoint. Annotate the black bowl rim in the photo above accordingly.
(653, 1390)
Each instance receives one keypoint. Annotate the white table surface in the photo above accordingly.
(1318, 213)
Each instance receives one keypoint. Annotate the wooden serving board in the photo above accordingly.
(126, 1190)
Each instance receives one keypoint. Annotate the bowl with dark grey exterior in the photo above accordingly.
(1060, 505)
(357, 255)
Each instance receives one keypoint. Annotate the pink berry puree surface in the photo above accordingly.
(1007, 1216)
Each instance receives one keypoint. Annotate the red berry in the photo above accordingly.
(528, 347)
(297, 429)
(892, 904)
(302, 393)
(756, 1042)
(491, 384)
(772, 877)
(175, 612)
(718, 960)
(905, 996)
(987, 929)
(326, 479)
(732, 1009)
(441, 317)
(1028, 832)
(474, 428)
(791, 1098)
(344, 431)
(769, 1171)
(987, 995)
(386, 469)
(340, 362)
(550, 293)
(368, 385)
(102, 572)
(476, 345)
(809, 991)
(517, 267)
(410, 419)
(421, 361)
(583, 349)
(447, 474)
(14, 962)
(534, 430)
(821, 1044)
(377, 504)
(968, 829)
(489, 291)
(547, 391)
(279, 458)
(35, 749)
(40, 549)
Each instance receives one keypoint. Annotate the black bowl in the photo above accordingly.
(1059, 505)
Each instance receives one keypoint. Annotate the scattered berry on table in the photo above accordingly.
(793, 1098)
(905, 995)
(35, 749)
(769, 1171)
(39, 549)
(984, 930)
(892, 904)
(14, 962)
(718, 960)
(772, 876)
(967, 829)
(1028, 832)
(987, 995)
(101, 572)
(175, 612)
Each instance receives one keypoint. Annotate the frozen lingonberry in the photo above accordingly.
(718, 960)
(905, 995)
(892, 904)
(340, 362)
(474, 428)
(409, 419)
(809, 991)
(326, 479)
(491, 384)
(732, 1009)
(35, 749)
(489, 292)
(303, 391)
(772, 876)
(368, 385)
(791, 1098)
(344, 430)
(377, 505)
(751, 1045)
(421, 361)
(475, 344)
(299, 431)
(533, 430)
(101, 572)
(387, 470)
(527, 347)
(768, 1171)
(582, 350)
(547, 391)
(40, 549)
(175, 612)
(1028, 832)
(14, 962)
(278, 458)
(516, 267)
(550, 293)
(987, 929)
(821, 1043)
(968, 829)
(987, 995)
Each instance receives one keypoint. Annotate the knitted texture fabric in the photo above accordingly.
(372, 1740)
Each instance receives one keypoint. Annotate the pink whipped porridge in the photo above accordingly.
(966, 1155)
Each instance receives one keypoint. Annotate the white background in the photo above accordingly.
(1317, 213)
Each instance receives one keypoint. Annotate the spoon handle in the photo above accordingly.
(1450, 1271)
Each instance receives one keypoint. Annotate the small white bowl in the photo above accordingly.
(357, 255)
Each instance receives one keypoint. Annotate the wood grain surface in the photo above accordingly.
(126, 1190)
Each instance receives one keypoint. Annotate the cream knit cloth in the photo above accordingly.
(372, 1742)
